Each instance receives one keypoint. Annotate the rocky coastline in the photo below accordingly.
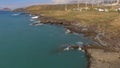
(99, 55)
(100, 27)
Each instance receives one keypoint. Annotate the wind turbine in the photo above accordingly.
(66, 8)
(118, 1)
(92, 3)
(98, 3)
(86, 5)
(78, 4)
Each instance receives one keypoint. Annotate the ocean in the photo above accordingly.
(25, 46)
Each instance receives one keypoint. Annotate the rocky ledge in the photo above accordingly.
(104, 54)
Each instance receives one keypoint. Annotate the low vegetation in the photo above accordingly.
(90, 16)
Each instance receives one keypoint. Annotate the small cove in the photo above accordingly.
(26, 46)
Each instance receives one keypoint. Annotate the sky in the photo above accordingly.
(24, 3)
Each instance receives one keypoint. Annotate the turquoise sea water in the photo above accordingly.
(26, 46)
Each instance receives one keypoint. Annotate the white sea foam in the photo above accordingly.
(35, 17)
(79, 48)
(67, 31)
(67, 49)
(16, 14)
(39, 24)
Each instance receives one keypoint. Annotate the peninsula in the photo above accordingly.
(98, 23)
(5, 9)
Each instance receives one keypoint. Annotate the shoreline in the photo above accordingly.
(100, 27)
(96, 55)
(91, 34)
(50, 20)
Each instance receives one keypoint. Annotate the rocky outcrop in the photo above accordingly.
(87, 31)
(51, 20)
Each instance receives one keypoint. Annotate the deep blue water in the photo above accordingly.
(26, 46)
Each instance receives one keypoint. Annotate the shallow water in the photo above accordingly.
(26, 46)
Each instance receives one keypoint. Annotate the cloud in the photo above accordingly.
(60, 1)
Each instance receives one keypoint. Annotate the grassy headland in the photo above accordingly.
(58, 12)
(106, 22)
(105, 25)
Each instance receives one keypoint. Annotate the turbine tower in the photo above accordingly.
(78, 4)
